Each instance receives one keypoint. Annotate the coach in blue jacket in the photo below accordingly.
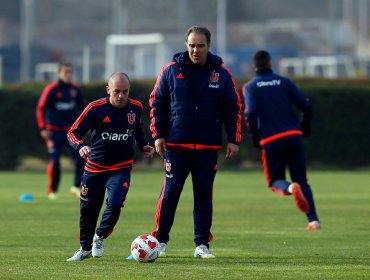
(273, 126)
(193, 97)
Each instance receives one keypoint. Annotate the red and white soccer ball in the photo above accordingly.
(145, 248)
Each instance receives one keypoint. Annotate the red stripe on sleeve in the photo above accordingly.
(40, 109)
(71, 133)
(136, 102)
(238, 134)
(153, 129)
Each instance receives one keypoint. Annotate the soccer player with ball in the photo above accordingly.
(115, 125)
(271, 122)
(194, 96)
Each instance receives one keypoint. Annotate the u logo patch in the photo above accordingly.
(131, 118)
(214, 76)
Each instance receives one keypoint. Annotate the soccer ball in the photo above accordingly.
(145, 248)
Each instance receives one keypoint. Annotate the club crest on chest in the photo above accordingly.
(131, 117)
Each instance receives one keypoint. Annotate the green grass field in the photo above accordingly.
(257, 234)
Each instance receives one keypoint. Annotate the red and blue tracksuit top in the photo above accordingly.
(114, 132)
(269, 107)
(190, 103)
(59, 105)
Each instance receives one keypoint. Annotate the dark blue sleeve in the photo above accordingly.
(233, 111)
(301, 102)
(81, 103)
(79, 129)
(140, 135)
(251, 116)
(159, 106)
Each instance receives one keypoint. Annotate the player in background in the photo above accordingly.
(58, 107)
(194, 96)
(274, 128)
(116, 126)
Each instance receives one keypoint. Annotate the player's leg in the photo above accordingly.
(91, 201)
(176, 170)
(117, 186)
(274, 164)
(203, 173)
(92, 197)
(54, 146)
(297, 168)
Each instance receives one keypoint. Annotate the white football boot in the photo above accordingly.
(97, 246)
(53, 196)
(162, 250)
(79, 255)
(203, 252)
(314, 225)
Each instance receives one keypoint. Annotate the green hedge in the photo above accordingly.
(340, 129)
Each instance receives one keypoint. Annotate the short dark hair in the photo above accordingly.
(262, 60)
(64, 64)
(199, 30)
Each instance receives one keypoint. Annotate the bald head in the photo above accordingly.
(118, 89)
(118, 76)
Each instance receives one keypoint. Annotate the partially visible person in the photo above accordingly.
(116, 126)
(58, 107)
(194, 97)
(274, 128)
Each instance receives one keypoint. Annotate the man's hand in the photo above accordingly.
(160, 146)
(45, 134)
(149, 151)
(85, 152)
(231, 150)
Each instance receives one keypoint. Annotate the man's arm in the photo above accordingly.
(305, 106)
(251, 117)
(40, 112)
(77, 132)
(233, 112)
(80, 101)
(159, 109)
(233, 117)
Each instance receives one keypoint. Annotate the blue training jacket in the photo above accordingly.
(114, 132)
(59, 106)
(190, 103)
(269, 107)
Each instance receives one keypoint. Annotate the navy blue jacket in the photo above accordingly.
(59, 106)
(190, 103)
(269, 107)
(114, 131)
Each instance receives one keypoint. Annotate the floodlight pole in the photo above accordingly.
(27, 20)
(86, 64)
(182, 8)
(221, 28)
(1, 71)
(364, 38)
(332, 24)
(120, 17)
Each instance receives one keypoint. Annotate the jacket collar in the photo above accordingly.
(263, 72)
(212, 60)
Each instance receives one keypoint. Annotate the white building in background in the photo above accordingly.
(318, 66)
